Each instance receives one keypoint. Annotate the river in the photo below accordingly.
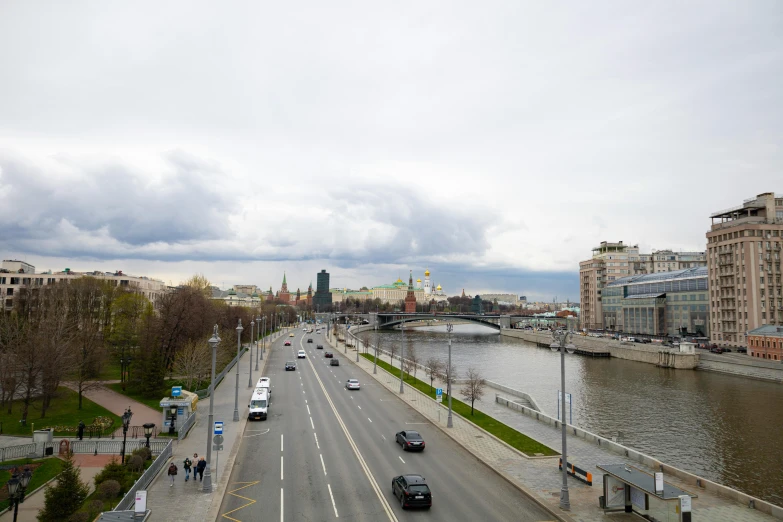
(724, 428)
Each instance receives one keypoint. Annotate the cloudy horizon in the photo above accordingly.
(495, 144)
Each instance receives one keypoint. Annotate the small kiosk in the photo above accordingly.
(629, 489)
(177, 408)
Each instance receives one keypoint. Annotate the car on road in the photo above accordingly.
(287, 343)
(259, 404)
(334, 362)
(320, 347)
(716, 349)
(412, 491)
(328, 355)
(300, 354)
(352, 384)
(290, 335)
(742, 350)
(310, 340)
(410, 440)
(290, 365)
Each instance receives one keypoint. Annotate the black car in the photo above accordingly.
(334, 362)
(412, 490)
(410, 440)
(320, 346)
(290, 365)
(742, 350)
(309, 340)
(328, 355)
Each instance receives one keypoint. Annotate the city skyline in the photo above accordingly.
(371, 144)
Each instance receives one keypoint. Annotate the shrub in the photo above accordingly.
(95, 508)
(80, 516)
(111, 471)
(108, 489)
(136, 463)
(144, 452)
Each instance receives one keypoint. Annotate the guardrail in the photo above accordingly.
(109, 447)
(185, 428)
(17, 452)
(123, 516)
(146, 478)
(219, 377)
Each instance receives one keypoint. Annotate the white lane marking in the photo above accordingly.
(281, 467)
(359, 407)
(322, 462)
(402, 460)
(311, 423)
(384, 438)
(305, 401)
(369, 419)
(308, 409)
(333, 504)
(316, 441)
(281, 442)
(281, 504)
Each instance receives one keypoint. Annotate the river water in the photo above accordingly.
(724, 428)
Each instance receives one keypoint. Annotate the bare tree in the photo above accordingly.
(406, 364)
(413, 359)
(193, 361)
(434, 367)
(364, 337)
(88, 349)
(473, 388)
(393, 349)
(11, 334)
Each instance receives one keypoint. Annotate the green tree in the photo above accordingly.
(63, 499)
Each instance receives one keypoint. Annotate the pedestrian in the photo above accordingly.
(202, 465)
(172, 473)
(186, 465)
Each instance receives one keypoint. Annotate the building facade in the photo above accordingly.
(322, 300)
(766, 342)
(743, 256)
(670, 304)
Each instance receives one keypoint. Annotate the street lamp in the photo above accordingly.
(375, 364)
(17, 485)
(173, 413)
(449, 422)
(236, 389)
(263, 339)
(207, 477)
(402, 357)
(250, 360)
(148, 429)
(258, 334)
(126, 418)
(560, 343)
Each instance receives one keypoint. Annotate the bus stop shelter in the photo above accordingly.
(632, 490)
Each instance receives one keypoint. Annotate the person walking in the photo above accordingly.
(194, 464)
(186, 465)
(172, 474)
(202, 465)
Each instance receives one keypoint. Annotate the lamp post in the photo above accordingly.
(375, 364)
(258, 334)
(263, 340)
(207, 478)
(173, 415)
(250, 360)
(149, 427)
(17, 486)
(402, 357)
(560, 343)
(236, 388)
(449, 422)
(126, 418)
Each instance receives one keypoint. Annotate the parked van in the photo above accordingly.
(259, 404)
(266, 384)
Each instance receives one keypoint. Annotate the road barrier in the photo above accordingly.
(185, 428)
(145, 480)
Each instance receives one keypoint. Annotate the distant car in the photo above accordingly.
(412, 491)
(320, 347)
(290, 335)
(287, 342)
(410, 440)
(334, 362)
(290, 365)
(309, 340)
(328, 355)
(300, 354)
(742, 350)
(352, 384)
(716, 349)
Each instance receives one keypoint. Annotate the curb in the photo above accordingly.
(522, 489)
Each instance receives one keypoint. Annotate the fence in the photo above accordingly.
(219, 377)
(185, 428)
(134, 432)
(123, 516)
(17, 452)
(129, 499)
(109, 447)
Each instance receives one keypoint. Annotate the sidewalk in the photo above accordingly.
(185, 500)
(539, 477)
(118, 403)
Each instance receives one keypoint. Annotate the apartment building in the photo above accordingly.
(16, 274)
(743, 258)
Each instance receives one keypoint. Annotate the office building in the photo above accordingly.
(322, 300)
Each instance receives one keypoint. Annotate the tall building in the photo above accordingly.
(743, 257)
(410, 298)
(322, 300)
(284, 295)
(427, 282)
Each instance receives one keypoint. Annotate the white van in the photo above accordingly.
(265, 383)
(259, 404)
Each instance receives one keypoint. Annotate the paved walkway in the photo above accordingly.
(185, 501)
(539, 477)
(117, 403)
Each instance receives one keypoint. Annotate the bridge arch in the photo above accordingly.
(387, 321)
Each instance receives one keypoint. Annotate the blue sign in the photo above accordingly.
(176, 391)
(438, 391)
(180, 411)
(218, 428)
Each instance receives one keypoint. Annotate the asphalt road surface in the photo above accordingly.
(326, 453)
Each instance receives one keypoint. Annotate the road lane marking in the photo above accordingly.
(384, 438)
(250, 501)
(322, 462)
(369, 419)
(311, 423)
(333, 504)
(358, 406)
(401, 459)
(281, 442)
(281, 467)
(281, 504)
(316, 441)
(308, 409)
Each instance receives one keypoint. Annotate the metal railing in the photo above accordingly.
(185, 428)
(219, 377)
(146, 478)
(123, 516)
(17, 452)
(109, 447)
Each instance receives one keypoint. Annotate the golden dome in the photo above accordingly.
(438, 288)
(418, 280)
(398, 280)
(427, 273)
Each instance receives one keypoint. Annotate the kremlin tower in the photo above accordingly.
(410, 299)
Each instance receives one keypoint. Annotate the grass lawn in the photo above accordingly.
(43, 470)
(63, 412)
(111, 370)
(505, 433)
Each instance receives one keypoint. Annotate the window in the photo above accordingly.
(14, 280)
(2, 280)
(10, 291)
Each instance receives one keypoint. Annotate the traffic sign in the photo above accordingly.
(176, 391)
(217, 447)
(217, 439)
(218, 427)
(439, 394)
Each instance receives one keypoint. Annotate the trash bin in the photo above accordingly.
(45, 435)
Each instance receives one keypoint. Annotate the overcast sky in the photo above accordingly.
(494, 142)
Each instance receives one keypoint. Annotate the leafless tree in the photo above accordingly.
(413, 359)
(193, 362)
(394, 348)
(11, 334)
(434, 367)
(364, 337)
(473, 389)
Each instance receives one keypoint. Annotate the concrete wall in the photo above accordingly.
(694, 481)
(742, 365)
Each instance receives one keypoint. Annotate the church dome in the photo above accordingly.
(398, 280)
(439, 288)
(418, 280)
(427, 273)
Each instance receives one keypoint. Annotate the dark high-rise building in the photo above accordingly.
(322, 300)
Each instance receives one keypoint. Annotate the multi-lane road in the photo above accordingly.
(327, 453)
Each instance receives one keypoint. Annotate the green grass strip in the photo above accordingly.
(44, 470)
(505, 433)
